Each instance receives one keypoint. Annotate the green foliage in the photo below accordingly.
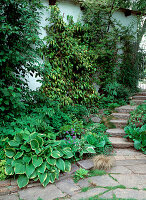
(97, 172)
(80, 174)
(138, 135)
(2, 170)
(138, 116)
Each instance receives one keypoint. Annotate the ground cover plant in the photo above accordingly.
(136, 129)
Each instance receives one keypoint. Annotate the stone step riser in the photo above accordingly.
(119, 123)
(137, 102)
(121, 146)
(141, 94)
(116, 132)
(124, 110)
(120, 143)
(121, 115)
(139, 97)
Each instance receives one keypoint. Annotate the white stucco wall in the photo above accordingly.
(68, 7)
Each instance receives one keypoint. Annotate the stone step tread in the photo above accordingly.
(126, 109)
(123, 121)
(128, 152)
(120, 142)
(139, 97)
(115, 130)
(138, 101)
(121, 115)
(141, 93)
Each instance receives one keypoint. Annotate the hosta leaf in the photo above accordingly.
(10, 152)
(9, 170)
(52, 177)
(42, 168)
(34, 144)
(9, 161)
(66, 150)
(40, 140)
(42, 177)
(27, 159)
(29, 169)
(68, 155)
(33, 175)
(18, 155)
(37, 161)
(13, 143)
(22, 181)
(51, 161)
(19, 168)
(60, 164)
(90, 150)
(137, 144)
(101, 144)
(48, 166)
(25, 148)
(67, 166)
(18, 138)
(56, 154)
(45, 183)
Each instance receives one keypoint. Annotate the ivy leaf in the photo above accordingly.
(22, 181)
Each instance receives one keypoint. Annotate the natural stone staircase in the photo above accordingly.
(120, 121)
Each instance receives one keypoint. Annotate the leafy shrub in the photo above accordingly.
(138, 116)
(2, 170)
(80, 174)
(138, 135)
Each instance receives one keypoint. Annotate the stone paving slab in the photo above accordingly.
(128, 152)
(68, 186)
(9, 197)
(130, 162)
(131, 180)
(86, 164)
(126, 193)
(104, 180)
(88, 194)
(138, 169)
(48, 193)
(119, 170)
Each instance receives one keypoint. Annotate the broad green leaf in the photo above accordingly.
(18, 155)
(19, 168)
(40, 140)
(66, 150)
(18, 138)
(10, 152)
(60, 164)
(22, 181)
(42, 168)
(25, 148)
(68, 155)
(48, 166)
(56, 154)
(67, 166)
(42, 177)
(37, 161)
(14, 143)
(29, 169)
(33, 175)
(9, 170)
(9, 161)
(51, 161)
(45, 183)
(52, 177)
(90, 150)
(34, 144)
(137, 144)
(27, 159)
(101, 144)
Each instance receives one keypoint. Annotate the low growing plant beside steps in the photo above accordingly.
(34, 156)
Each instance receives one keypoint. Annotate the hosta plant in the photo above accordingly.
(30, 156)
(34, 156)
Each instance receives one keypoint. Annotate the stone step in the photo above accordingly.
(129, 153)
(138, 102)
(121, 115)
(125, 109)
(119, 123)
(120, 143)
(142, 93)
(139, 97)
(116, 132)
